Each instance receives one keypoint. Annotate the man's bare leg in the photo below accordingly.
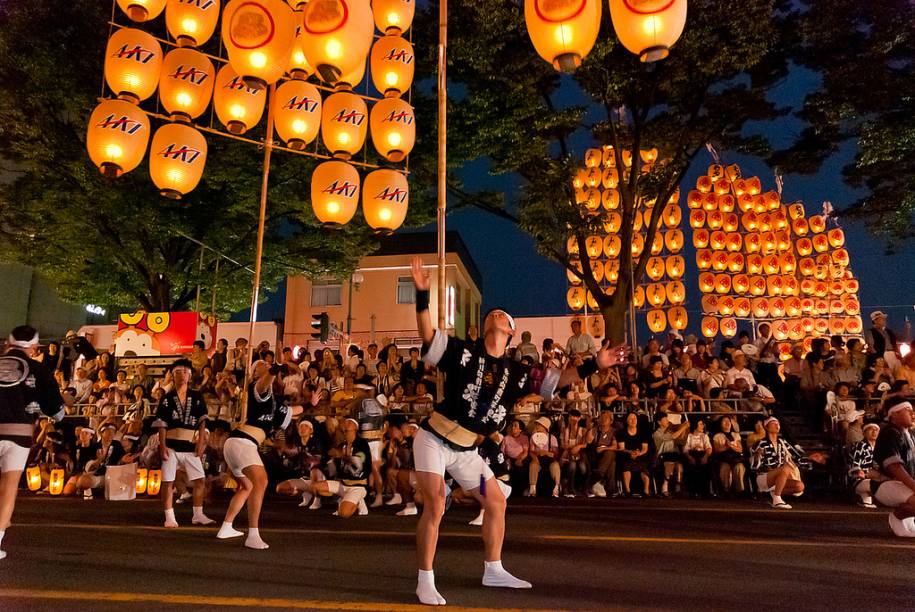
(432, 488)
(493, 504)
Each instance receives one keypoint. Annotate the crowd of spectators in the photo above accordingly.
(682, 418)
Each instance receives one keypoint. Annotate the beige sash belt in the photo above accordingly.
(453, 432)
(16, 429)
(255, 432)
(373, 434)
(185, 435)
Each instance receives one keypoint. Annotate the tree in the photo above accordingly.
(117, 243)
(525, 118)
(864, 55)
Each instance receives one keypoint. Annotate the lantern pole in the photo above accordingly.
(442, 155)
(255, 290)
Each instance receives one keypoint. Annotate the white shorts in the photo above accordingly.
(353, 495)
(375, 447)
(893, 493)
(12, 456)
(762, 483)
(239, 454)
(96, 482)
(191, 463)
(431, 454)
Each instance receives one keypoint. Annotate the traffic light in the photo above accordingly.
(321, 324)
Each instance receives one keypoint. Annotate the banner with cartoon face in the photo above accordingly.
(162, 333)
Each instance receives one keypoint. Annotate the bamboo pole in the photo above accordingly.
(442, 156)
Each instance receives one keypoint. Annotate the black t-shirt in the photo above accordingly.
(83, 455)
(354, 471)
(112, 456)
(27, 390)
(895, 445)
(172, 413)
(632, 442)
(655, 392)
(264, 412)
(480, 390)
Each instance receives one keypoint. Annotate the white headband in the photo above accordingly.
(23, 343)
(899, 407)
(769, 420)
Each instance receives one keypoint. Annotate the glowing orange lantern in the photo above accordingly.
(671, 215)
(807, 286)
(343, 123)
(703, 259)
(675, 267)
(851, 285)
(338, 35)
(656, 294)
(718, 240)
(796, 211)
(800, 227)
(191, 22)
(117, 136)
(612, 246)
(649, 156)
(770, 264)
(297, 112)
(836, 287)
(774, 285)
(795, 330)
(575, 298)
(782, 240)
(735, 263)
(697, 218)
(754, 263)
(392, 61)
(638, 297)
(704, 184)
(757, 285)
(790, 286)
(821, 326)
(823, 262)
(706, 282)
(657, 244)
(759, 204)
(734, 242)
(719, 261)
(592, 301)
(133, 63)
(768, 242)
(760, 307)
(186, 83)
(259, 36)
(780, 329)
(820, 289)
(762, 222)
(673, 240)
(238, 106)
(729, 327)
(676, 293)
(334, 192)
(562, 32)
(778, 219)
(777, 308)
(754, 186)
(807, 266)
(730, 222)
(741, 283)
(597, 269)
(709, 304)
(609, 178)
(709, 327)
(700, 238)
(176, 159)
(840, 257)
(393, 16)
(657, 320)
(745, 203)
(793, 307)
(836, 307)
(572, 245)
(393, 128)
(573, 278)
(853, 325)
(715, 219)
(726, 203)
(726, 305)
(655, 268)
(610, 199)
(787, 263)
(677, 318)
(385, 200)
(56, 482)
(852, 306)
(752, 243)
(750, 221)
(594, 246)
(817, 224)
(694, 199)
(807, 324)
(648, 28)
(142, 10)
(592, 202)
(33, 477)
(709, 202)
(742, 307)
(638, 244)
(722, 283)
(820, 243)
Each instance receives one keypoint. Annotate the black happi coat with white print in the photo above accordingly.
(172, 413)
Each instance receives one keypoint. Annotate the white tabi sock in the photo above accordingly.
(227, 531)
(200, 518)
(170, 520)
(494, 575)
(426, 591)
(254, 540)
(409, 509)
(2, 553)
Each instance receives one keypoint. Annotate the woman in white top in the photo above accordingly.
(698, 450)
(711, 377)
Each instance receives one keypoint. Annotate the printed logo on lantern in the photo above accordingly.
(124, 124)
(392, 194)
(195, 76)
(399, 117)
(201, 4)
(344, 188)
(238, 83)
(353, 117)
(135, 53)
(399, 55)
(304, 104)
(182, 153)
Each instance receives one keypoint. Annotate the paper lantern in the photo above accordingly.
(787, 262)
(33, 477)
(820, 243)
(385, 200)
(186, 83)
(790, 285)
(709, 202)
(612, 272)
(853, 325)
(297, 113)
(807, 286)
(778, 219)
(343, 123)
(575, 298)
(851, 285)
(745, 203)
(117, 136)
(808, 325)
(610, 199)
(133, 63)
(768, 242)
(726, 203)
(393, 16)
(770, 264)
(821, 326)
(823, 261)
(675, 266)
(722, 283)
(852, 306)
(608, 157)
(703, 259)
(657, 320)
(259, 36)
(392, 62)
(777, 308)
(718, 240)
(648, 156)
(817, 223)
(393, 128)
(563, 33)
(191, 22)
(752, 243)
(597, 269)
(731, 222)
(774, 285)
(793, 307)
(655, 268)
(697, 218)
(758, 285)
(796, 211)
(820, 289)
(735, 263)
(726, 305)
(334, 192)
(676, 292)
(772, 199)
(800, 227)
(704, 184)
(741, 284)
(671, 215)
(795, 330)
(572, 245)
(742, 307)
(715, 219)
(141, 477)
(719, 261)
(153, 482)
(176, 159)
(836, 307)
(612, 244)
(759, 204)
(734, 242)
(613, 222)
(750, 221)
(721, 186)
(706, 282)
(754, 186)
(594, 177)
(56, 482)
(709, 304)
(592, 301)
(694, 199)
(298, 67)
(573, 278)
(762, 222)
(780, 329)
(840, 257)
(836, 287)
(580, 179)
(638, 244)
(238, 106)
(593, 199)
(638, 297)
(728, 327)
(338, 35)
(678, 318)
(806, 265)
(709, 327)
(655, 294)
(657, 244)
(141, 10)
(648, 28)
(593, 158)
(782, 240)
(760, 307)
(673, 240)
(701, 238)
(594, 246)
(754, 263)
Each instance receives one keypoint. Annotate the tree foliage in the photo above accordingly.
(118, 243)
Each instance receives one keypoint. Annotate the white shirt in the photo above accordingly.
(697, 442)
(83, 388)
(733, 374)
(582, 343)
(371, 365)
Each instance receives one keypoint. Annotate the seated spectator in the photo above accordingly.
(371, 359)
(82, 384)
(634, 401)
(139, 407)
(603, 457)
(383, 380)
(633, 441)
(544, 452)
(574, 438)
(775, 461)
(906, 369)
(671, 406)
(86, 450)
(657, 380)
(701, 357)
(412, 371)
(353, 359)
(610, 399)
(651, 351)
(353, 465)
(862, 471)
(698, 452)
(668, 439)
(580, 344)
(879, 372)
(314, 377)
(844, 371)
(726, 356)
(121, 387)
(814, 385)
(308, 462)
(686, 377)
(292, 379)
(728, 457)
(397, 402)
(526, 348)
(516, 447)
(739, 371)
(753, 399)
(198, 357)
(711, 377)
(109, 452)
(362, 377)
(857, 356)
(894, 454)
(423, 401)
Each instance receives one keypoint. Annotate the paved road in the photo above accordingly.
(581, 555)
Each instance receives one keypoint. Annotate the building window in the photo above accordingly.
(326, 293)
(406, 290)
